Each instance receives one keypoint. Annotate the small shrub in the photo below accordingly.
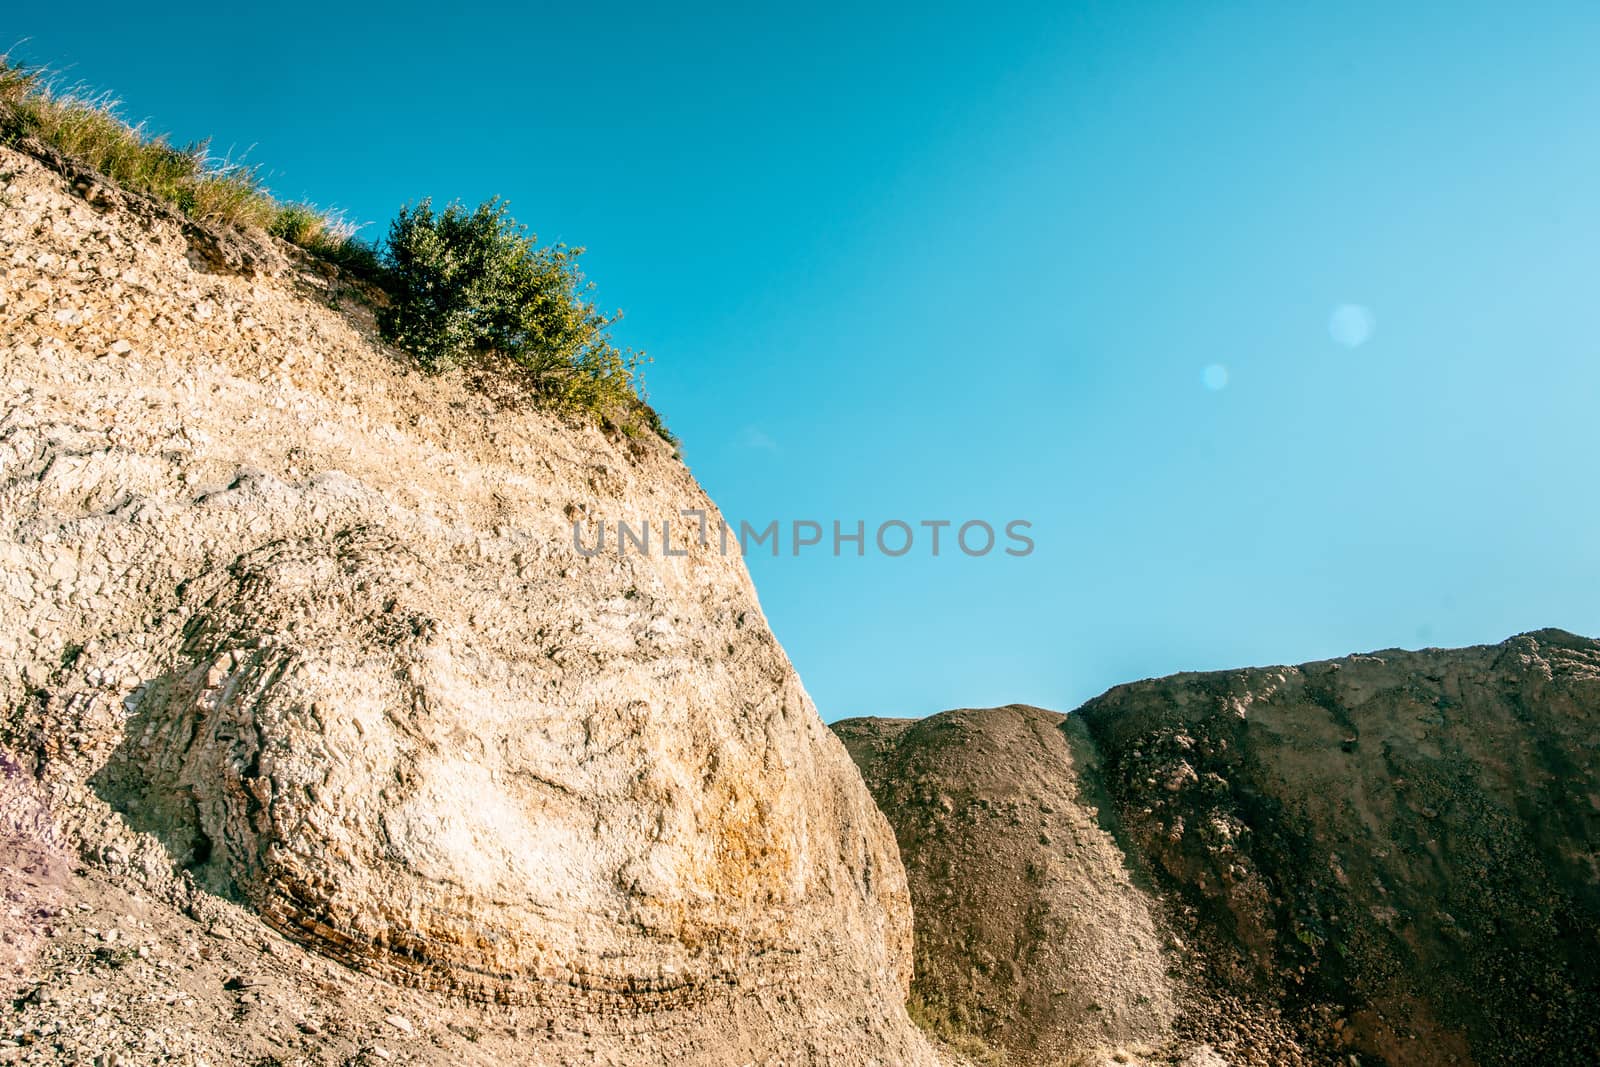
(467, 283)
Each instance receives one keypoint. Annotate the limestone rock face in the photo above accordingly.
(287, 624)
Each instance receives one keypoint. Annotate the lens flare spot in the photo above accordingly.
(1214, 377)
(1351, 325)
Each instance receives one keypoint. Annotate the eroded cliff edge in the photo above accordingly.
(290, 633)
(1393, 856)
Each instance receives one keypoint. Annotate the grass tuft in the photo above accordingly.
(88, 128)
(939, 1023)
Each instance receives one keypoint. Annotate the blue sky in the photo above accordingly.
(976, 263)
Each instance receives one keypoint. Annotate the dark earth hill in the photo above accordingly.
(1390, 856)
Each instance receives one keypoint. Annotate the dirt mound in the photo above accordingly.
(1389, 856)
(1029, 932)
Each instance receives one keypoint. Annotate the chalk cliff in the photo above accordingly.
(295, 649)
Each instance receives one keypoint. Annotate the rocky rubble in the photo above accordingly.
(307, 697)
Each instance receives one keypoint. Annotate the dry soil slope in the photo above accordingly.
(1392, 856)
(1029, 933)
(294, 644)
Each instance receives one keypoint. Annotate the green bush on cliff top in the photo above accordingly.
(462, 286)
(464, 283)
